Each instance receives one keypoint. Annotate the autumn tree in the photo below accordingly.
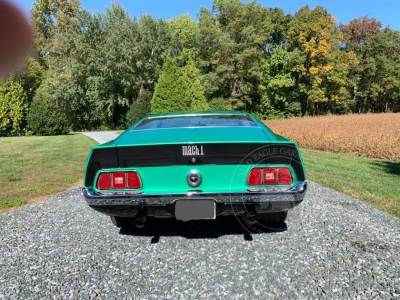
(373, 82)
(317, 65)
(358, 30)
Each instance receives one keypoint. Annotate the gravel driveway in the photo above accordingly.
(330, 247)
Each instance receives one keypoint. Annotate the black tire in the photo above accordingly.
(122, 222)
(275, 217)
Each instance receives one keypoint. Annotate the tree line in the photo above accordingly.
(107, 70)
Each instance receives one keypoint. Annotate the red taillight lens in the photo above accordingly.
(119, 181)
(104, 181)
(284, 176)
(270, 176)
(134, 180)
(255, 176)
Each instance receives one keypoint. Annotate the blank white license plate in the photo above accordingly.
(186, 210)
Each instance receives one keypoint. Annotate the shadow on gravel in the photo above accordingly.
(202, 229)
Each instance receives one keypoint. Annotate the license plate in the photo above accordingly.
(186, 210)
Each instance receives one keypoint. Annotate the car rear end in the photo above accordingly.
(195, 172)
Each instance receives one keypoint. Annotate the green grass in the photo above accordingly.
(34, 167)
(374, 181)
(12, 203)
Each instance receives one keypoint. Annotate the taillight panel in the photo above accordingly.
(270, 176)
(119, 180)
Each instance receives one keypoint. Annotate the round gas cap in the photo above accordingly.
(194, 178)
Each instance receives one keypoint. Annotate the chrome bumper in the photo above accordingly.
(249, 197)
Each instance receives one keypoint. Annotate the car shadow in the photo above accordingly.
(202, 229)
(389, 167)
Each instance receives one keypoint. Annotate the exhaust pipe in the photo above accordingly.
(139, 222)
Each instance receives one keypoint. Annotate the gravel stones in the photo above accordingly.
(331, 246)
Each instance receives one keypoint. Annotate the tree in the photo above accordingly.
(195, 90)
(373, 82)
(45, 117)
(379, 86)
(185, 35)
(29, 77)
(318, 66)
(140, 108)
(171, 92)
(236, 37)
(13, 107)
(50, 18)
(355, 34)
(278, 84)
(358, 30)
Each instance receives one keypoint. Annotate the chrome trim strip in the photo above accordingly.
(295, 194)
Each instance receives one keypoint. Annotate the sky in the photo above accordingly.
(386, 11)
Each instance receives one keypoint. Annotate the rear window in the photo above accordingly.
(196, 121)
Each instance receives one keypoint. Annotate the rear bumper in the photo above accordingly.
(260, 200)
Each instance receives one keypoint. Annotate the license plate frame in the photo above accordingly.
(195, 209)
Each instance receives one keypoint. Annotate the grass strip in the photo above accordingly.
(37, 166)
(12, 203)
(374, 181)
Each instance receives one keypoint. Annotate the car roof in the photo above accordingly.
(200, 113)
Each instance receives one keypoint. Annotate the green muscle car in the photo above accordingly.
(195, 165)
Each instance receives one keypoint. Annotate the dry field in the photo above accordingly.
(368, 135)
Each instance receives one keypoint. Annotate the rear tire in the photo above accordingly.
(276, 217)
(122, 221)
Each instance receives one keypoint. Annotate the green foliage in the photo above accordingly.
(219, 104)
(238, 55)
(379, 85)
(45, 116)
(171, 92)
(195, 90)
(29, 77)
(140, 108)
(185, 34)
(49, 19)
(13, 107)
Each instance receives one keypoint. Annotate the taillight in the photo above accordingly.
(285, 176)
(134, 180)
(119, 180)
(270, 176)
(255, 176)
(104, 181)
